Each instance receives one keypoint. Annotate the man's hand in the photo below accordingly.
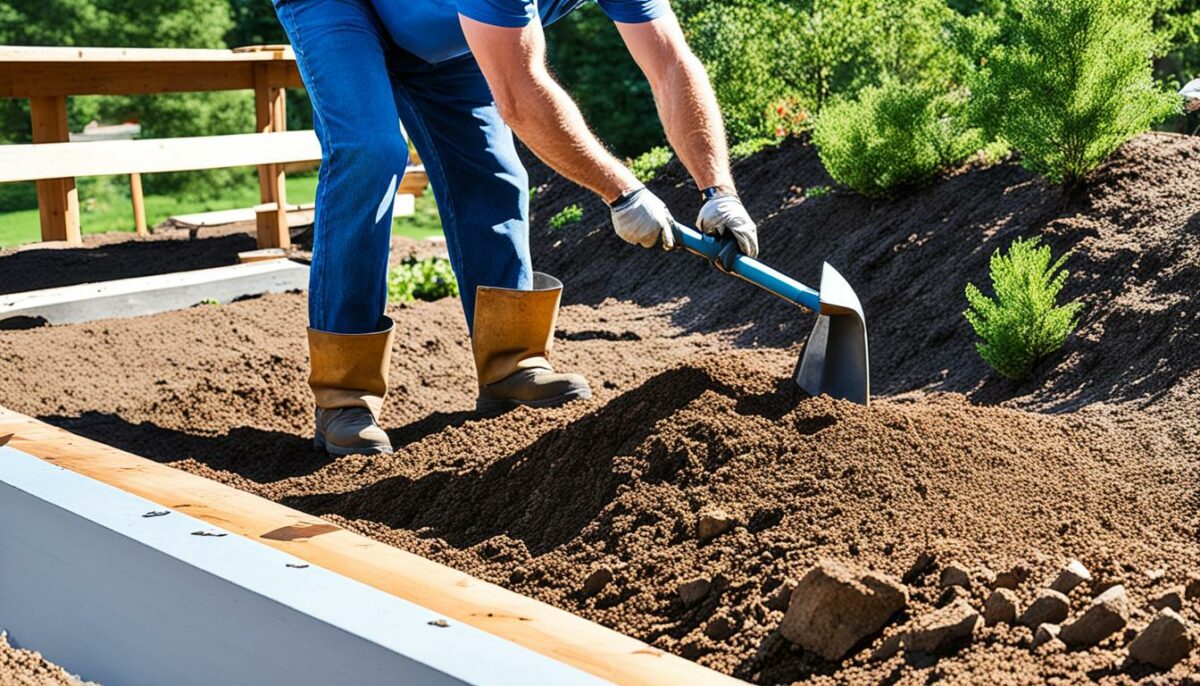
(640, 217)
(724, 213)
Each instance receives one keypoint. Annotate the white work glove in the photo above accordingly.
(724, 213)
(640, 218)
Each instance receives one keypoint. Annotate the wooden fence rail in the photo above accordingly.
(48, 75)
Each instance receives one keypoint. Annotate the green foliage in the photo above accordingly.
(427, 279)
(1023, 323)
(570, 214)
(1072, 84)
(892, 137)
(750, 146)
(647, 165)
(817, 192)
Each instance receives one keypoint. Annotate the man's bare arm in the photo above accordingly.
(686, 103)
(540, 112)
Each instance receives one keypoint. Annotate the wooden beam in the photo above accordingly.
(84, 55)
(270, 111)
(121, 78)
(139, 204)
(58, 199)
(453, 594)
(29, 162)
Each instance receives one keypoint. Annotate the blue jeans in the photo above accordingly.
(361, 84)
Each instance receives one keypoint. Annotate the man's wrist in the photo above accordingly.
(719, 189)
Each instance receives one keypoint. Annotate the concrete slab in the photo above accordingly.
(123, 591)
(152, 294)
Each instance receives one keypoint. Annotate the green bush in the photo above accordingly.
(647, 165)
(427, 279)
(892, 137)
(570, 214)
(1023, 323)
(1071, 82)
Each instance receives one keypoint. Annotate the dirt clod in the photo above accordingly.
(836, 605)
(1011, 578)
(712, 523)
(954, 575)
(943, 628)
(597, 581)
(1048, 607)
(1001, 607)
(780, 597)
(1163, 643)
(1171, 598)
(694, 590)
(1071, 575)
(1045, 634)
(1107, 614)
(719, 628)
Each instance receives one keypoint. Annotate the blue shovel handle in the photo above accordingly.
(747, 268)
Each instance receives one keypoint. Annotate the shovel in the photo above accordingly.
(835, 361)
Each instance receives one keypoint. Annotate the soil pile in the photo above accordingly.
(1134, 237)
(20, 667)
(597, 507)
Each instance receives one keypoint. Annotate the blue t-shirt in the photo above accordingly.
(430, 28)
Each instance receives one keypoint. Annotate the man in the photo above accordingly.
(462, 76)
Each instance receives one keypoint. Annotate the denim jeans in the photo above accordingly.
(361, 85)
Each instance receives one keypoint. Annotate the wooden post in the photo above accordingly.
(271, 116)
(58, 200)
(139, 204)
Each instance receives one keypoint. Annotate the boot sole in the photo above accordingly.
(489, 405)
(320, 444)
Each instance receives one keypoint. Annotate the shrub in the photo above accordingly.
(427, 279)
(892, 137)
(647, 165)
(1072, 83)
(1023, 323)
(567, 215)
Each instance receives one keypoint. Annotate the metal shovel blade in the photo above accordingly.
(835, 360)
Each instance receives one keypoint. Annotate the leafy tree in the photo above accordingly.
(1023, 323)
(1074, 83)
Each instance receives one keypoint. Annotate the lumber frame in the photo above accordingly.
(58, 199)
(461, 597)
(270, 112)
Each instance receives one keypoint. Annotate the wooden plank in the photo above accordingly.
(29, 162)
(453, 594)
(83, 55)
(58, 199)
(414, 182)
(270, 117)
(35, 79)
(139, 204)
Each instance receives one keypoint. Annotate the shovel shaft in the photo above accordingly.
(749, 269)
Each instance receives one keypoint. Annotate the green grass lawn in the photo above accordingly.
(116, 214)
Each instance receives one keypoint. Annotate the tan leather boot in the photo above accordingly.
(348, 380)
(514, 330)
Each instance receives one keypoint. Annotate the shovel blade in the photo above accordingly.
(835, 360)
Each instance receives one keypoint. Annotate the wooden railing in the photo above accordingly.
(47, 76)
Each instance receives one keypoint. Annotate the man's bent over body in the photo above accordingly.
(458, 74)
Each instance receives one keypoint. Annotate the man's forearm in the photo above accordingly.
(690, 116)
(547, 120)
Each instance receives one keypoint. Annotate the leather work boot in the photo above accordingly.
(349, 380)
(514, 330)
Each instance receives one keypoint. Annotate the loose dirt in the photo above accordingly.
(695, 410)
(20, 667)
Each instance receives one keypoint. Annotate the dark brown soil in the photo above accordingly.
(20, 667)
(695, 409)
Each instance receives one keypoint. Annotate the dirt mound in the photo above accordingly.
(1134, 237)
(20, 667)
(595, 507)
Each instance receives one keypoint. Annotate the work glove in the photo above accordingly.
(640, 217)
(723, 214)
